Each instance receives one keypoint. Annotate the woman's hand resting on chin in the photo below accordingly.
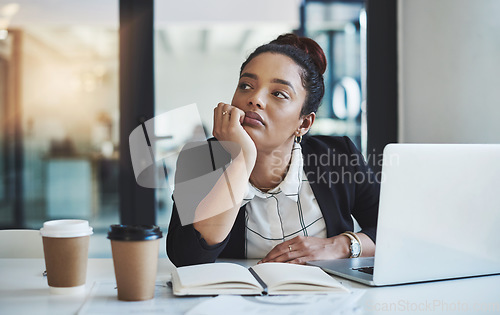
(227, 127)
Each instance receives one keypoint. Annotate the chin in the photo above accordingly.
(254, 134)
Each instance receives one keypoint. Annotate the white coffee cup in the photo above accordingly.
(65, 246)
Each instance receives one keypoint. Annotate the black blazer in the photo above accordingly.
(341, 181)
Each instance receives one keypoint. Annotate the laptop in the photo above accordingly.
(439, 216)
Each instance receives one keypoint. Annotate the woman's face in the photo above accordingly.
(271, 94)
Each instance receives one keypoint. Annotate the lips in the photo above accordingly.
(253, 118)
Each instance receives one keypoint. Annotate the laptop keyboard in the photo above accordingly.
(368, 270)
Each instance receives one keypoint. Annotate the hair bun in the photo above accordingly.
(306, 44)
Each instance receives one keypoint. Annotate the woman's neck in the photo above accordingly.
(271, 167)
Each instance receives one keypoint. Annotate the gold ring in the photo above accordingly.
(224, 112)
(290, 247)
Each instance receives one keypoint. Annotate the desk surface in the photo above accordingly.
(23, 290)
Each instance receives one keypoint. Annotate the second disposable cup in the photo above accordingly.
(65, 246)
(135, 259)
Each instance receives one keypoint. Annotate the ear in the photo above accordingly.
(306, 124)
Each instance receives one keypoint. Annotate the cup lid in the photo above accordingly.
(124, 232)
(66, 228)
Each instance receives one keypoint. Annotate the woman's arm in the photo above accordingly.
(204, 211)
(367, 245)
(216, 213)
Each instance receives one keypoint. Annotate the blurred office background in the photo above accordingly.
(60, 87)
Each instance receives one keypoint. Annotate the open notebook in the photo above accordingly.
(263, 279)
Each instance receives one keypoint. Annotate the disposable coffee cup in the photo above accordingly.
(66, 247)
(135, 259)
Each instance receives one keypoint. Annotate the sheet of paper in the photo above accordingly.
(103, 299)
(280, 304)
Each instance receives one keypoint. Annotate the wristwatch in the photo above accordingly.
(355, 246)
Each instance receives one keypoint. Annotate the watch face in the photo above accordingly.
(355, 249)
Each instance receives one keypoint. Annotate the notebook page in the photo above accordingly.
(291, 276)
(206, 274)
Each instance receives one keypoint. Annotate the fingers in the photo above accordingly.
(218, 119)
(286, 251)
(275, 252)
(295, 257)
(220, 112)
(226, 117)
(302, 249)
(236, 115)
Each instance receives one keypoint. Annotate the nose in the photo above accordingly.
(257, 100)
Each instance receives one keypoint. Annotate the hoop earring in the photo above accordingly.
(298, 139)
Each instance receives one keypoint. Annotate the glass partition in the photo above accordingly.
(59, 111)
(340, 28)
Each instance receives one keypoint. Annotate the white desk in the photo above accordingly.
(23, 290)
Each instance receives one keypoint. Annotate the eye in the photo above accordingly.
(281, 95)
(244, 86)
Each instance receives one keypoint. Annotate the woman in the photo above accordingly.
(291, 195)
